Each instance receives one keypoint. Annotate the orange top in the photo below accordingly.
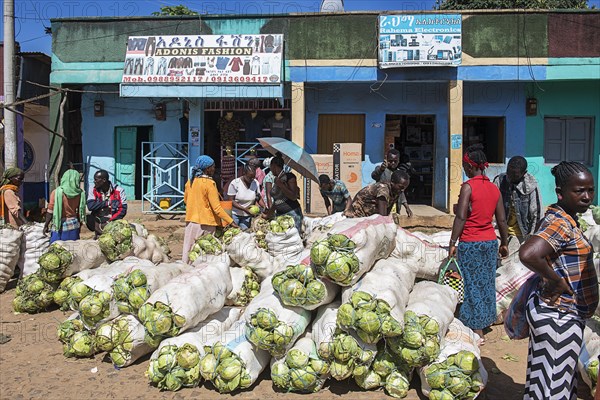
(203, 205)
(70, 208)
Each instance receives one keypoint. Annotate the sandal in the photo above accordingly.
(481, 342)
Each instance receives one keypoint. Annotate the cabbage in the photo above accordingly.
(341, 242)
(81, 344)
(397, 385)
(596, 213)
(458, 385)
(208, 366)
(116, 240)
(297, 285)
(107, 336)
(33, 294)
(340, 370)
(159, 320)
(188, 356)
(280, 374)
(440, 395)
(224, 369)
(67, 329)
(368, 381)
(435, 376)
(341, 267)
(319, 252)
(466, 361)
(296, 359)
(254, 210)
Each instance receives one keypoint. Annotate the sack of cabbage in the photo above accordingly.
(282, 238)
(387, 371)
(176, 362)
(205, 244)
(457, 373)
(345, 352)
(231, 361)
(297, 285)
(429, 312)
(374, 306)
(9, 252)
(301, 370)
(272, 326)
(352, 247)
(77, 340)
(590, 352)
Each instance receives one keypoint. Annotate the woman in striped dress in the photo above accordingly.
(568, 294)
(479, 201)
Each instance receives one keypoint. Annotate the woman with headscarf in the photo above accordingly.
(203, 206)
(66, 208)
(10, 203)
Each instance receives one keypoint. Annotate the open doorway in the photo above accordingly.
(128, 156)
(414, 136)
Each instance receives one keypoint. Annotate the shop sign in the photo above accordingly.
(204, 59)
(420, 40)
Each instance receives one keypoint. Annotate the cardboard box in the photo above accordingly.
(313, 202)
(347, 165)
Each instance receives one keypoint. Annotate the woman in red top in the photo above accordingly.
(478, 202)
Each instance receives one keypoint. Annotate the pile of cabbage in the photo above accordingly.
(297, 285)
(249, 289)
(116, 240)
(281, 224)
(63, 292)
(419, 344)
(345, 355)
(229, 234)
(54, 262)
(266, 332)
(260, 237)
(369, 317)
(224, 368)
(33, 294)
(93, 305)
(334, 258)
(131, 291)
(205, 244)
(175, 367)
(76, 339)
(159, 320)
(388, 371)
(457, 377)
(301, 370)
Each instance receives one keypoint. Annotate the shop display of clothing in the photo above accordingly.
(229, 130)
(235, 64)
(278, 127)
(254, 127)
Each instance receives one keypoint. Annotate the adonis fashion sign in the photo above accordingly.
(204, 59)
(420, 40)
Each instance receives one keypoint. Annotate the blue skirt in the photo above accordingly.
(477, 262)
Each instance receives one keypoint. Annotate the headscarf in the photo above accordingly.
(10, 173)
(69, 186)
(5, 184)
(202, 163)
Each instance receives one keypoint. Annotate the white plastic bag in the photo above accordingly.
(196, 294)
(287, 246)
(374, 237)
(590, 351)
(390, 281)
(244, 251)
(33, 245)
(10, 247)
(426, 258)
(593, 235)
(86, 255)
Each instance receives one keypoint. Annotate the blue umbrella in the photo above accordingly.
(293, 155)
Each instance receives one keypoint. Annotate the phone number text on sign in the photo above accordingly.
(221, 79)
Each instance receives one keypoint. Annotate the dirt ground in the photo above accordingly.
(32, 364)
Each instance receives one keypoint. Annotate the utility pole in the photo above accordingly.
(10, 118)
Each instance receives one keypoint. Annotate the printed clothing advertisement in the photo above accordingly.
(254, 59)
(420, 40)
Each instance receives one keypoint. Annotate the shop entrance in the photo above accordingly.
(414, 136)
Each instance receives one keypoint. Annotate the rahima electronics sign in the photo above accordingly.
(420, 40)
(213, 59)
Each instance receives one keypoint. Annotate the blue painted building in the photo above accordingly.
(514, 94)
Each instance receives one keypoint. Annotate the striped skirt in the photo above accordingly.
(555, 340)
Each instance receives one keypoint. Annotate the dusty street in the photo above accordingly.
(32, 364)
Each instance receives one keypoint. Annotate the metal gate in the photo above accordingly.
(164, 174)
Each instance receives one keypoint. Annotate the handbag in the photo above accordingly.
(450, 275)
(515, 319)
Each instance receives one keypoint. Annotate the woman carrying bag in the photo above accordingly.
(567, 290)
(477, 252)
(203, 206)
